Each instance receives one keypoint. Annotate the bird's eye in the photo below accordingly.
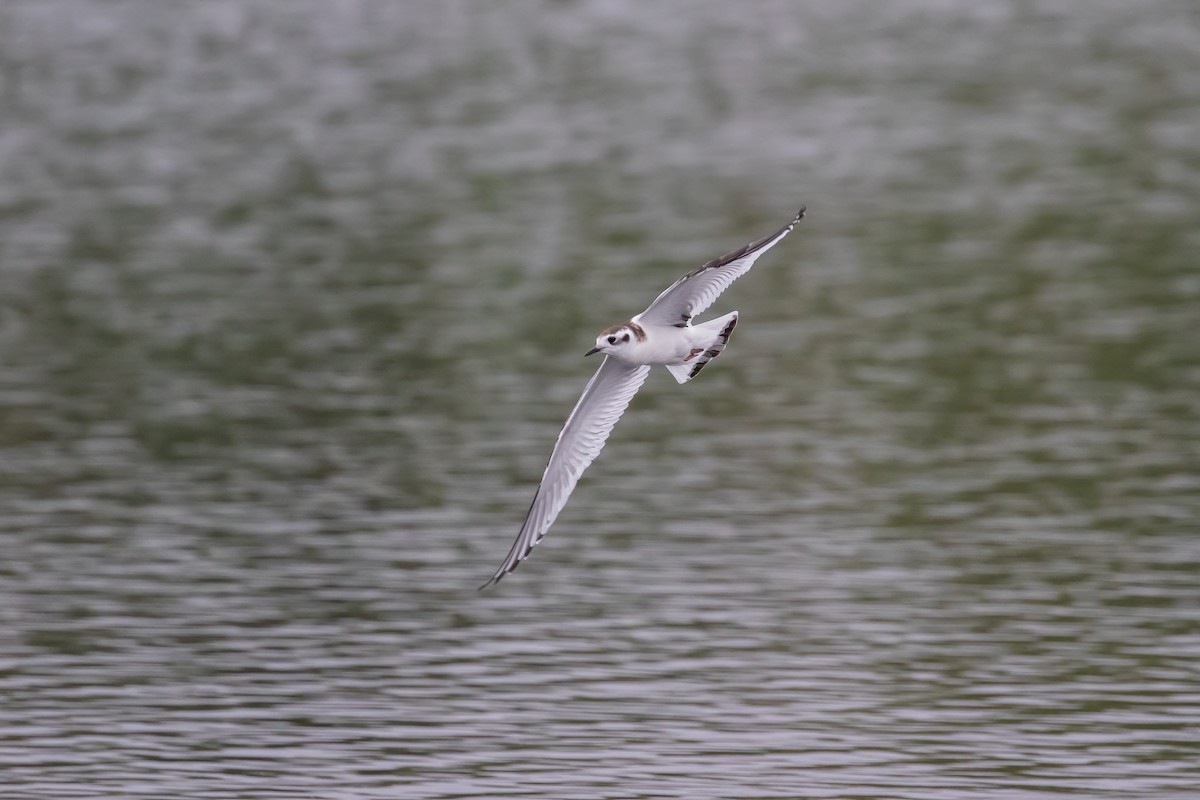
(625, 338)
(612, 340)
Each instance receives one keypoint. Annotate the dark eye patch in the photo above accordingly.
(625, 338)
(612, 340)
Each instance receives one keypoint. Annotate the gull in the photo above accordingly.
(662, 334)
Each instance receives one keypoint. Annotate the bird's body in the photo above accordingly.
(662, 334)
(669, 345)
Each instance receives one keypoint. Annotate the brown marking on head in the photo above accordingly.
(638, 331)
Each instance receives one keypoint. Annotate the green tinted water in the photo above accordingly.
(292, 302)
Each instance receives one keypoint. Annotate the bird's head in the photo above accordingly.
(617, 338)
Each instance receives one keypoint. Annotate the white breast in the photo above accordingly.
(663, 345)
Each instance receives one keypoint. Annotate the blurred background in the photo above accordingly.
(293, 298)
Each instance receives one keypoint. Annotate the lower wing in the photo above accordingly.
(602, 403)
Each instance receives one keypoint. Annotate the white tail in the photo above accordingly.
(681, 372)
(720, 329)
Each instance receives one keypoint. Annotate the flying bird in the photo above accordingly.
(662, 334)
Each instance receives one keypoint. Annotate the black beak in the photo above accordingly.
(589, 352)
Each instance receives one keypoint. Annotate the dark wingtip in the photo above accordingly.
(800, 214)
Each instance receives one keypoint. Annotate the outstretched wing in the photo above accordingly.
(697, 290)
(603, 402)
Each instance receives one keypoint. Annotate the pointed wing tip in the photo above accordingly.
(498, 576)
(510, 564)
(501, 573)
(795, 221)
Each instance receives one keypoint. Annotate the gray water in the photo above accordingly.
(293, 297)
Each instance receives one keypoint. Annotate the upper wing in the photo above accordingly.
(697, 290)
(603, 401)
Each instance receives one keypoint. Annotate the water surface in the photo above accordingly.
(292, 303)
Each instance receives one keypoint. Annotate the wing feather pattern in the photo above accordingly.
(602, 403)
(697, 290)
